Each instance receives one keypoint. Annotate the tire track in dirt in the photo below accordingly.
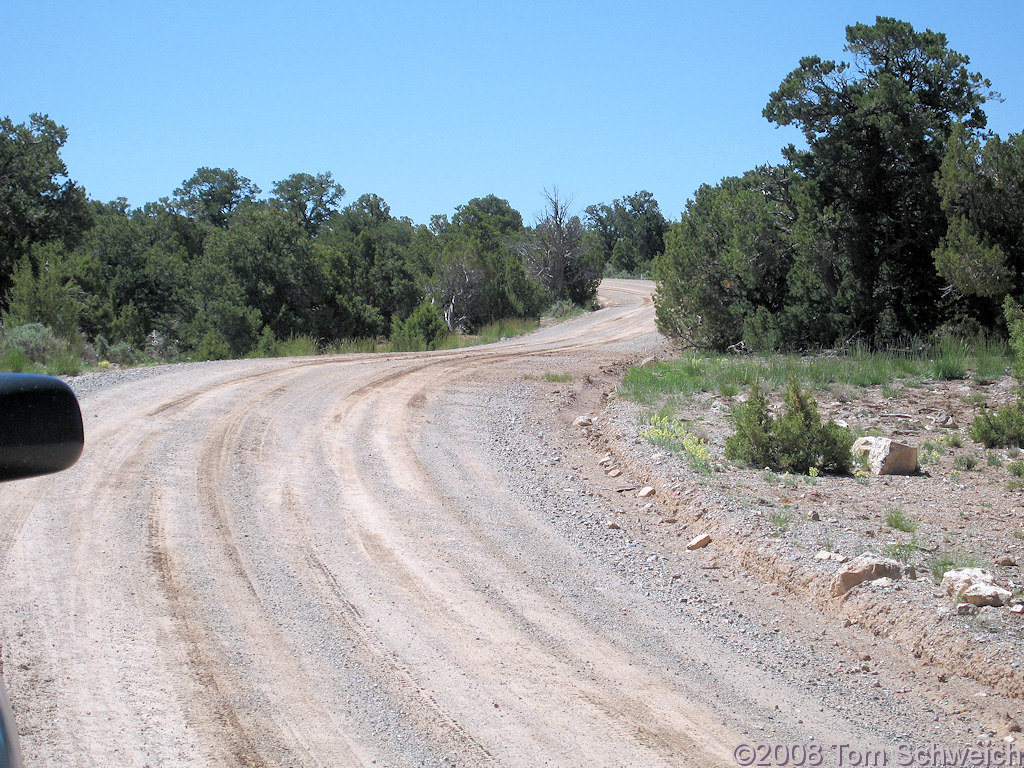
(238, 439)
(399, 679)
(630, 717)
(237, 682)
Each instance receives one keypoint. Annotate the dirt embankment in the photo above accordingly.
(794, 533)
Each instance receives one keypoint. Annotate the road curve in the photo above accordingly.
(316, 562)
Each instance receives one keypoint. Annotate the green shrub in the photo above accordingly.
(15, 361)
(753, 441)
(42, 291)
(298, 346)
(797, 441)
(1005, 426)
(781, 521)
(1014, 314)
(1000, 427)
(352, 346)
(950, 360)
(65, 363)
(123, 354)
(505, 329)
(559, 378)
(35, 347)
(900, 521)
(38, 342)
(423, 329)
(563, 309)
(668, 432)
(943, 561)
(990, 359)
(965, 463)
(929, 453)
(901, 552)
(266, 344)
(212, 347)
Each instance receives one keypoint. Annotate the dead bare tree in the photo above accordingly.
(554, 252)
(453, 289)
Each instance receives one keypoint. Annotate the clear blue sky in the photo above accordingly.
(430, 104)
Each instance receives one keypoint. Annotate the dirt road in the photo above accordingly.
(327, 562)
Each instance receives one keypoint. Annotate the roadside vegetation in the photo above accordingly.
(218, 270)
(876, 230)
(797, 440)
(983, 360)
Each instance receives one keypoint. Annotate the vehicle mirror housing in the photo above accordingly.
(10, 753)
(40, 426)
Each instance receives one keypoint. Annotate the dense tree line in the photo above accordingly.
(217, 270)
(901, 216)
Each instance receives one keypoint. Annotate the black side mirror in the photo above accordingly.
(40, 426)
(10, 753)
(40, 432)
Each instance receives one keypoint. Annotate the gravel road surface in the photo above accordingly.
(375, 559)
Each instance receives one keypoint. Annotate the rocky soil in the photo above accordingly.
(786, 537)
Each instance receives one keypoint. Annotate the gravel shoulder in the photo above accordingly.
(955, 664)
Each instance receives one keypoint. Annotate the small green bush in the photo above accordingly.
(298, 346)
(34, 347)
(991, 357)
(944, 561)
(563, 309)
(15, 361)
(557, 378)
(899, 520)
(423, 329)
(668, 432)
(899, 551)
(929, 453)
(950, 360)
(213, 347)
(266, 344)
(38, 342)
(753, 442)
(797, 441)
(781, 521)
(1000, 427)
(1005, 426)
(65, 363)
(965, 463)
(123, 353)
(505, 329)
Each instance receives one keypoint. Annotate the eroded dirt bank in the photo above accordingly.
(404, 560)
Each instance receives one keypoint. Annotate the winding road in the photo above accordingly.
(318, 562)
